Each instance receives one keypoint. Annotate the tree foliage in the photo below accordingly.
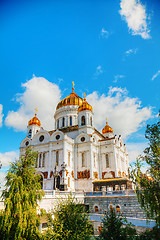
(20, 220)
(70, 221)
(147, 185)
(112, 228)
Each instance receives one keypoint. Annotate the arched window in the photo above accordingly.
(96, 208)
(70, 119)
(63, 122)
(57, 158)
(58, 123)
(30, 133)
(91, 121)
(83, 120)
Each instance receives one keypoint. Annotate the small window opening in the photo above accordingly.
(70, 121)
(117, 208)
(96, 208)
(83, 121)
(63, 122)
(30, 133)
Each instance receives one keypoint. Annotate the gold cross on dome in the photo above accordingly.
(106, 119)
(84, 95)
(73, 85)
(36, 110)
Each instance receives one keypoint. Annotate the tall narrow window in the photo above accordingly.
(43, 163)
(94, 159)
(30, 133)
(63, 122)
(58, 123)
(70, 118)
(107, 161)
(83, 159)
(37, 162)
(40, 159)
(57, 158)
(83, 120)
(69, 157)
(91, 121)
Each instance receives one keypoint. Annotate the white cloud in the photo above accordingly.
(7, 158)
(98, 72)
(156, 75)
(1, 115)
(131, 51)
(38, 93)
(125, 115)
(2, 180)
(134, 13)
(117, 77)
(134, 150)
(104, 33)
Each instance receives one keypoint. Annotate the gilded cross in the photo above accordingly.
(36, 111)
(73, 84)
(84, 95)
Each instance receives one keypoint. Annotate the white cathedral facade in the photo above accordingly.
(75, 155)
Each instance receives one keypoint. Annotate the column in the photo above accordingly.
(99, 162)
(75, 161)
(115, 159)
(49, 159)
(67, 121)
(91, 161)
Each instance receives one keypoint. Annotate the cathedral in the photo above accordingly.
(75, 156)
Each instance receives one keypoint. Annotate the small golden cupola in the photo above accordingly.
(72, 99)
(85, 105)
(34, 120)
(107, 128)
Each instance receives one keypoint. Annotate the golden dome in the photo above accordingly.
(85, 105)
(107, 128)
(72, 99)
(34, 120)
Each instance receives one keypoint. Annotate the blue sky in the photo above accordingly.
(109, 48)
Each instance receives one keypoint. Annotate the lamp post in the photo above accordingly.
(55, 175)
(63, 186)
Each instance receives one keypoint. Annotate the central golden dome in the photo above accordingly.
(72, 99)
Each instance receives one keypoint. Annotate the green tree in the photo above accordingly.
(147, 185)
(20, 220)
(70, 221)
(112, 228)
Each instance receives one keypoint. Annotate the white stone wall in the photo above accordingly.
(86, 140)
